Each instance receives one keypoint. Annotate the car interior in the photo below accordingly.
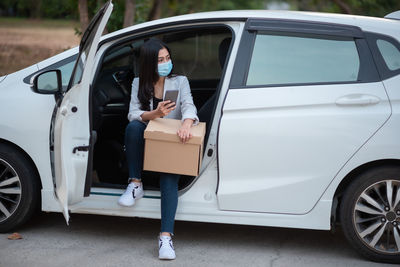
(197, 53)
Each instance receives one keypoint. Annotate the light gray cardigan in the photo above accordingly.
(185, 109)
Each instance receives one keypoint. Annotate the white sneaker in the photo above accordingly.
(167, 251)
(133, 192)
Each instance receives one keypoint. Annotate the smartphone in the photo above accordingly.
(171, 95)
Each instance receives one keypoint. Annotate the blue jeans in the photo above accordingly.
(134, 144)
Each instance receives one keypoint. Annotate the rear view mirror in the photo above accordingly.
(48, 82)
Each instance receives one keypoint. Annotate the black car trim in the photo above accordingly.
(368, 71)
(139, 35)
(169, 24)
(243, 57)
(384, 71)
(302, 26)
(293, 84)
(98, 16)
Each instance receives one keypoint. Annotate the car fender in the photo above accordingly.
(371, 153)
(25, 119)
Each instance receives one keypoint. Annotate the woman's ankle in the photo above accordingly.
(135, 180)
(165, 234)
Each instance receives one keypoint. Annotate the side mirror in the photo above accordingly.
(47, 82)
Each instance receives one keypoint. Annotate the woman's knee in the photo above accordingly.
(135, 128)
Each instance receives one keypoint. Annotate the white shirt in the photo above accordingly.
(185, 109)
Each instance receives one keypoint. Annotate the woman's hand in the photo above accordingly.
(165, 107)
(184, 132)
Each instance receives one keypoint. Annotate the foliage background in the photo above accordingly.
(33, 30)
(68, 9)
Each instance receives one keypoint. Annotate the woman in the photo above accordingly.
(147, 103)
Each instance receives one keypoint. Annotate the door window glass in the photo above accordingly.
(390, 54)
(86, 44)
(66, 71)
(278, 59)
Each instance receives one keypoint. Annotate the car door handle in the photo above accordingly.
(357, 100)
(80, 148)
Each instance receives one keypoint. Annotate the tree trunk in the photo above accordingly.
(35, 8)
(129, 16)
(155, 12)
(83, 14)
(343, 6)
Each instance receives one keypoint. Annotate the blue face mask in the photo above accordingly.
(164, 69)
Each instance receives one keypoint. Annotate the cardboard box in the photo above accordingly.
(164, 151)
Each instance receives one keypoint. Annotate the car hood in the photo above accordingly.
(2, 78)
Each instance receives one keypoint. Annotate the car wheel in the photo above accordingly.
(19, 188)
(370, 214)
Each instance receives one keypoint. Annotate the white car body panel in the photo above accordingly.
(199, 202)
(288, 129)
(33, 117)
(383, 145)
(25, 119)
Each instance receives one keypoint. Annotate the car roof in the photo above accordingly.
(374, 24)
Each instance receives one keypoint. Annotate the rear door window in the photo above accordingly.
(293, 59)
(390, 54)
(386, 53)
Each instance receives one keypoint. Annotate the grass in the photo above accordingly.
(24, 42)
(37, 23)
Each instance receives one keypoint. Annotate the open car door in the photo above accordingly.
(72, 131)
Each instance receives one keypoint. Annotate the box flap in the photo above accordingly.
(166, 130)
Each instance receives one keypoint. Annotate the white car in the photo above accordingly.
(302, 113)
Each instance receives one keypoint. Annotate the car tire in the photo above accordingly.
(19, 188)
(370, 223)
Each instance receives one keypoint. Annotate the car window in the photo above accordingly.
(85, 45)
(197, 53)
(281, 59)
(65, 66)
(66, 71)
(120, 57)
(390, 54)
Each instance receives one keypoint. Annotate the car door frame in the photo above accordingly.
(63, 182)
(210, 151)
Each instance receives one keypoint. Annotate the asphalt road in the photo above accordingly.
(93, 240)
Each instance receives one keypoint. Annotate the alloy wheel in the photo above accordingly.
(10, 190)
(377, 216)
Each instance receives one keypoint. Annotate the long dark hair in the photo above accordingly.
(148, 72)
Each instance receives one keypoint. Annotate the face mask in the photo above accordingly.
(164, 69)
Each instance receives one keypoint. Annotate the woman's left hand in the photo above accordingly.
(184, 132)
